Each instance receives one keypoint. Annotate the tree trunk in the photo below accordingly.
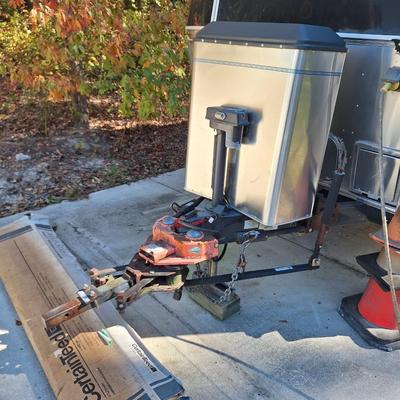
(80, 111)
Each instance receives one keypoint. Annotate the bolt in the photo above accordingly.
(194, 235)
(121, 306)
(168, 220)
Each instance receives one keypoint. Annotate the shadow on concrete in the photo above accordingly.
(309, 312)
(250, 367)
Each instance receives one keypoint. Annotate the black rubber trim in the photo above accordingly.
(369, 263)
(293, 36)
(349, 311)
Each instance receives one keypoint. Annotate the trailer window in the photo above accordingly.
(200, 12)
(351, 16)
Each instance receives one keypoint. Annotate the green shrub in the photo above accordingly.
(69, 49)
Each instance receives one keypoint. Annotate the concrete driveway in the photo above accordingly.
(287, 342)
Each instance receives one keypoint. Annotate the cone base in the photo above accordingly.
(383, 339)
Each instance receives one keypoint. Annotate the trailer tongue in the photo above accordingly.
(275, 87)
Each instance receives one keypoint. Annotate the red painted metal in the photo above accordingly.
(376, 306)
(167, 247)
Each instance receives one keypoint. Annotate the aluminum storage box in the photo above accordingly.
(287, 76)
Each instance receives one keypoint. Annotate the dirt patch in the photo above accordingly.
(57, 162)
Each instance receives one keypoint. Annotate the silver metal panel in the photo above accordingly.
(365, 36)
(290, 95)
(356, 120)
(366, 184)
(214, 12)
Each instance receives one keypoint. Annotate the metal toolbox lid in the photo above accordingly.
(293, 36)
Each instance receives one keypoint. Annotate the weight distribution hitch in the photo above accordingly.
(193, 236)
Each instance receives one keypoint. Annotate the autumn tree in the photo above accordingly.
(71, 49)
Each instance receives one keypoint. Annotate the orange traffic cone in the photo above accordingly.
(372, 313)
(376, 306)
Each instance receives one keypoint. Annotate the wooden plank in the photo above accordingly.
(77, 362)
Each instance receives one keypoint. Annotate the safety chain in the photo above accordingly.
(199, 273)
(239, 267)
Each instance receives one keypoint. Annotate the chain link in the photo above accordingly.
(199, 273)
(239, 267)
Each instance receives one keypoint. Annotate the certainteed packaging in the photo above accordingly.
(90, 357)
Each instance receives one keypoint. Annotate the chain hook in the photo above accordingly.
(240, 265)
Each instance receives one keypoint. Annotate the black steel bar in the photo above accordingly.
(277, 232)
(332, 197)
(218, 180)
(120, 268)
(326, 220)
(189, 207)
(212, 280)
